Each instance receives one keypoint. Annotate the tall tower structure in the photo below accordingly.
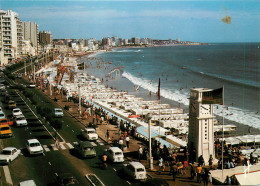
(201, 134)
(31, 33)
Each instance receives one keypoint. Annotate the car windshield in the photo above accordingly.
(88, 148)
(3, 121)
(5, 128)
(140, 170)
(6, 152)
(118, 153)
(91, 131)
(16, 110)
(34, 144)
(20, 118)
(58, 110)
(2, 115)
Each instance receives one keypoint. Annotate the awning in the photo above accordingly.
(145, 132)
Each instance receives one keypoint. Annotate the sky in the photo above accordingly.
(188, 20)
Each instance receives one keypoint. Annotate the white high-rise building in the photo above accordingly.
(201, 134)
(11, 34)
(31, 33)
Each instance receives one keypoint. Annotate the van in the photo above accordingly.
(135, 170)
(115, 154)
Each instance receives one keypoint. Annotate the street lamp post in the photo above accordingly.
(50, 84)
(149, 117)
(25, 67)
(79, 100)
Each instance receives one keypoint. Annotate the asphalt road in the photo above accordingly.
(44, 168)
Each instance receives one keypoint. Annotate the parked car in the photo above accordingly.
(134, 170)
(34, 147)
(89, 134)
(27, 183)
(11, 104)
(20, 121)
(85, 149)
(1, 110)
(17, 112)
(4, 121)
(115, 154)
(2, 115)
(66, 179)
(58, 112)
(8, 154)
(5, 131)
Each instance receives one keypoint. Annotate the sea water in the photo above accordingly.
(236, 66)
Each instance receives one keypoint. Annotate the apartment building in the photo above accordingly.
(31, 34)
(11, 35)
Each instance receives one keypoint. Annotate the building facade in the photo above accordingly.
(31, 33)
(201, 134)
(11, 34)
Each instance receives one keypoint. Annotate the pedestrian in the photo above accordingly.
(201, 160)
(185, 165)
(127, 140)
(140, 152)
(161, 165)
(107, 135)
(210, 161)
(192, 171)
(121, 143)
(206, 177)
(199, 171)
(175, 169)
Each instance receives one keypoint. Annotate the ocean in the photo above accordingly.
(236, 66)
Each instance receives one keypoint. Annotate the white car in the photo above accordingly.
(8, 154)
(135, 170)
(20, 121)
(1, 110)
(34, 147)
(27, 183)
(58, 112)
(17, 112)
(115, 154)
(89, 134)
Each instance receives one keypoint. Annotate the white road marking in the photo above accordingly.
(72, 130)
(62, 147)
(46, 148)
(114, 169)
(7, 175)
(93, 143)
(54, 147)
(49, 163)
(128, 182)
(56, 174)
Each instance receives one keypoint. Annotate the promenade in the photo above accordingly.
(131, 153)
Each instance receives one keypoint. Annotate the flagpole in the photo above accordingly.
(159, 96)
(222, 130)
